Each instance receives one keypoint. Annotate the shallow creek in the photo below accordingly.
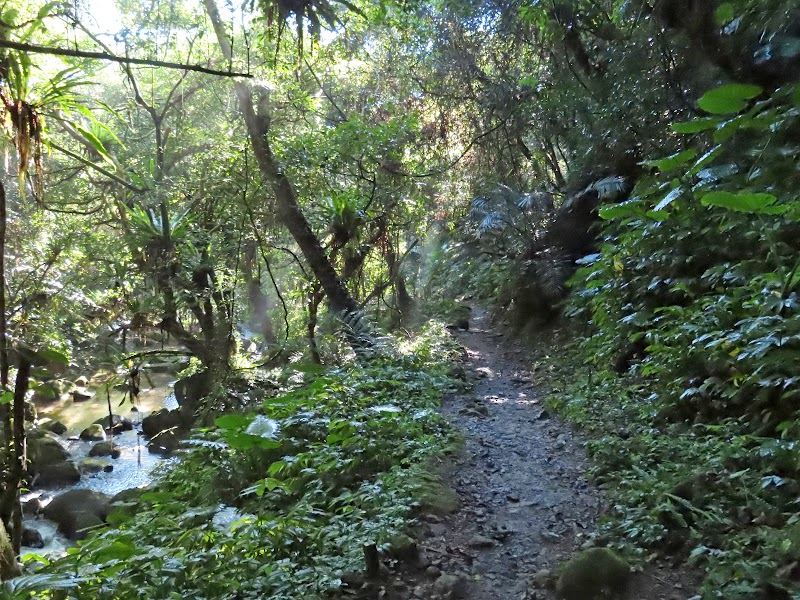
(132, 469)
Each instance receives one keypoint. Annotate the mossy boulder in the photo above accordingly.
(118, 424)
(106, 448)
(594, 574)
(57, 474)
(93, 433)
(56, 427)
(93, 465)
(44, 448)
(77, 511)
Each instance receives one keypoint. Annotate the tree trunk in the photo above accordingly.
(314, 298)
(288, 209)
(19, 463)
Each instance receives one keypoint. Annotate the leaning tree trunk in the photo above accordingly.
(288, 209)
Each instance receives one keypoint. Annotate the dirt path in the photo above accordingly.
(526, 504)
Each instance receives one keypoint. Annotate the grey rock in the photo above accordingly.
(81, 394)
(77, 511)
(480, 541)
(56, 474)
(32, 538)
(454, 586)
(93, 433)
(106, 448)
(120, 424)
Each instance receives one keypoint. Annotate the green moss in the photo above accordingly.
(592, 574)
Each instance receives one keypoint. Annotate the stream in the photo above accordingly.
(133, 468)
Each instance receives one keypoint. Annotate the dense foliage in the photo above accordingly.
(270, 185)
(279, 502)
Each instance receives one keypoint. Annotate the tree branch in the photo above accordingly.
(119, 59)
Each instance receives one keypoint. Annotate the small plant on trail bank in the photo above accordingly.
(280, 503)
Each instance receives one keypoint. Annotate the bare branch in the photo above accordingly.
(119, 59)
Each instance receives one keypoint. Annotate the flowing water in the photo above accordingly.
(134, 468)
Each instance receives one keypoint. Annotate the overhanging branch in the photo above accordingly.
(119, 59)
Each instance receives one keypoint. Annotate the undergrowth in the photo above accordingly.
(280, 502)
(716, 496)
(693, 295)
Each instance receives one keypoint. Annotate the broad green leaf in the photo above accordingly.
(673, 161)
(707, 158)
(728, 99)
(724, 13)
(669, 199)
(116, 550)
(6, 397)
(50, 355)
(96, 144)
(235, 422)
(623, 209)
(696, 125)
(748, 203)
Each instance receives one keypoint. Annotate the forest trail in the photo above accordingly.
(526, 503)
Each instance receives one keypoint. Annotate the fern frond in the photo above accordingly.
(609, 188)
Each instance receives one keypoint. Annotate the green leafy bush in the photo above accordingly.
(279, 503)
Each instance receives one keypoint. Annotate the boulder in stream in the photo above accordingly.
(93, 465)
(77, 511)
(32, 538)
(163, 420)
(62, 473)
(32, 507)
(45, 448)
(81, 394)
(105, 449)
(49, 460)
(56, 427)
(93, 433)
(163, 443)
(119, 424)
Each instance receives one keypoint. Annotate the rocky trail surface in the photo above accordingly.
(526, 503)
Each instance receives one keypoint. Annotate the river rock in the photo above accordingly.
(189, 391)
(163, 443)
(93, 465)
(453, 585)
(81, 381)
(105, 449)
(45, 448)
(56, 427)
(77, 511)
(93, 433)
(162, 420)
(81, 394)
(32, 507)
(49, 460)
(30, 411)
(32, 538)
(63, 473)
(120, 423)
